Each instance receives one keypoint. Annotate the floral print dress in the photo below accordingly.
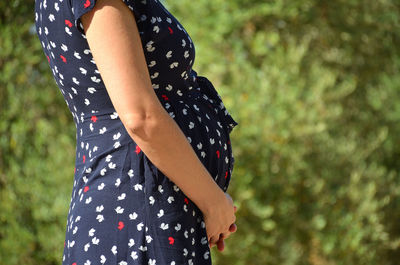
(123, 209)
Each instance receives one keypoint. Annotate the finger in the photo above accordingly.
(214, 240)
(210, 244)
(221, 245)
(224, 235)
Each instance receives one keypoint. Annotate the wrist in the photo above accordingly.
(211, 199)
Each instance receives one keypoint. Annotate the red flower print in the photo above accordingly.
(68, 23)
(87, 4)
(137, 149)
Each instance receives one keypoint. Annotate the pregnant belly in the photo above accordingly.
(206, 131)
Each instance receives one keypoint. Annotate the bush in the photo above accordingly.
(314, 86)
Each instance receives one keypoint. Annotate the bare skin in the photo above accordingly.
(221, 243)
(114, 40)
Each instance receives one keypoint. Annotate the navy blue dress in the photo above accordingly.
(123, 209)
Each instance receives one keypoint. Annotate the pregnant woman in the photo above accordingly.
(153, 154)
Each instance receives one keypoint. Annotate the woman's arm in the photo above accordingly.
(114, 40)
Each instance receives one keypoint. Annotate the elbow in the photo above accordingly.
(143, 125)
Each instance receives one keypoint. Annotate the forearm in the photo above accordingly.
(164, 143)
(121, 61)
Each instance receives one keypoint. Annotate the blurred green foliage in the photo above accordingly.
(315, 88)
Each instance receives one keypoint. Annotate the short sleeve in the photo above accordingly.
(80, 7)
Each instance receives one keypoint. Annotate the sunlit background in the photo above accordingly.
(315, 88)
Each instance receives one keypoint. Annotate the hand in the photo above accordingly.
(221, 244)
(219, 218)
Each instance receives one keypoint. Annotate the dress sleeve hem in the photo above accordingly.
(81, 7)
